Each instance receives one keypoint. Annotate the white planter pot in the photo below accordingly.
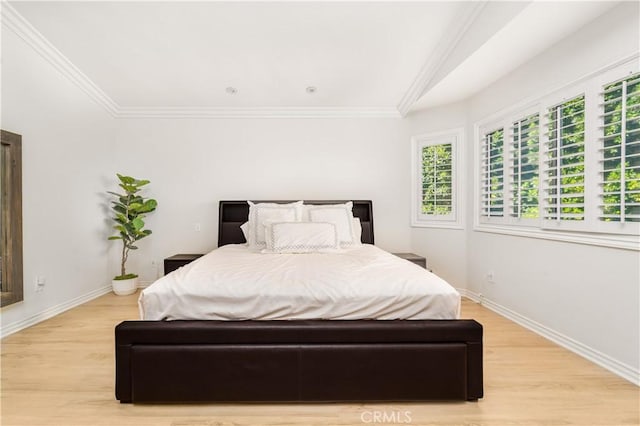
(125, 287)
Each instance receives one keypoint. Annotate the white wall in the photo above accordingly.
(194, 163)
(66, 158)
(72, 149)
(590, 294)
(587, 295)
(444, 249)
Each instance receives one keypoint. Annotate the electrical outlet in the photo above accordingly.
(155, 268)
(491, 278)
(40, 281)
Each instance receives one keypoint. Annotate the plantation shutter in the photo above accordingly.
(620, 151)
(564, 183)
(524, 174)
(492, 181)
(437, 179)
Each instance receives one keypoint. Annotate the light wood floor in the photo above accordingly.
(61, 372)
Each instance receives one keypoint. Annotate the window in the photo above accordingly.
(566, 165)
(525, 150)
(620, 150)
(435, 181)
(437, 169)
(565, 177)
(493, 174)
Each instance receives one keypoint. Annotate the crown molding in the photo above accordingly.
(435, 62)
(12, 20)
(264, 112)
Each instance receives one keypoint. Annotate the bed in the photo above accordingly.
(304, 359)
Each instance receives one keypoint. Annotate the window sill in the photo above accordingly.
(625, 242)
(441, 225)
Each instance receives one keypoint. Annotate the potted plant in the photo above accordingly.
(130, 208)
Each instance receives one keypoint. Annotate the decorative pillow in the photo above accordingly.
(300, 237)
(270, 212)
(245, 231)
(357, 231)
(339, 214)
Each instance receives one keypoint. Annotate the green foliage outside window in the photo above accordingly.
(621, 190)
(437, 187)
(566, 173)
(493, 179)
(526, 135)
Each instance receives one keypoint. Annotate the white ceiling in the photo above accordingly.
(378, 56)
(525, 34)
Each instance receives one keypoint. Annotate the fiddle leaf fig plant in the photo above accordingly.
(130, 209)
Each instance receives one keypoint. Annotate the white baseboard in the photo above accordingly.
(623, 370)
(7, 329)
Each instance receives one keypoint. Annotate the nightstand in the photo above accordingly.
(411, 257)
(178, 260)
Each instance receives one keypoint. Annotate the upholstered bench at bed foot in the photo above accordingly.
(267, 361)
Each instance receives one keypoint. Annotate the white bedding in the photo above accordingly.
(363, 282)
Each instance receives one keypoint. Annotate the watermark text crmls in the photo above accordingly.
(385, 416)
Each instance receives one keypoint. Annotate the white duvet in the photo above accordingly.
(364, 282)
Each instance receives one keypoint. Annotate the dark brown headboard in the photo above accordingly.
(234, 213)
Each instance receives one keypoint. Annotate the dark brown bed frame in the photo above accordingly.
(297, 360)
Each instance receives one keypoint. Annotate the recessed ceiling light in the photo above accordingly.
(311, 89)
(231, 90)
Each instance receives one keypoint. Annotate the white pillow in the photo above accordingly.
(245, 231)
(300, 237)
(357, 231)
(270, 212)
(339, 214)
